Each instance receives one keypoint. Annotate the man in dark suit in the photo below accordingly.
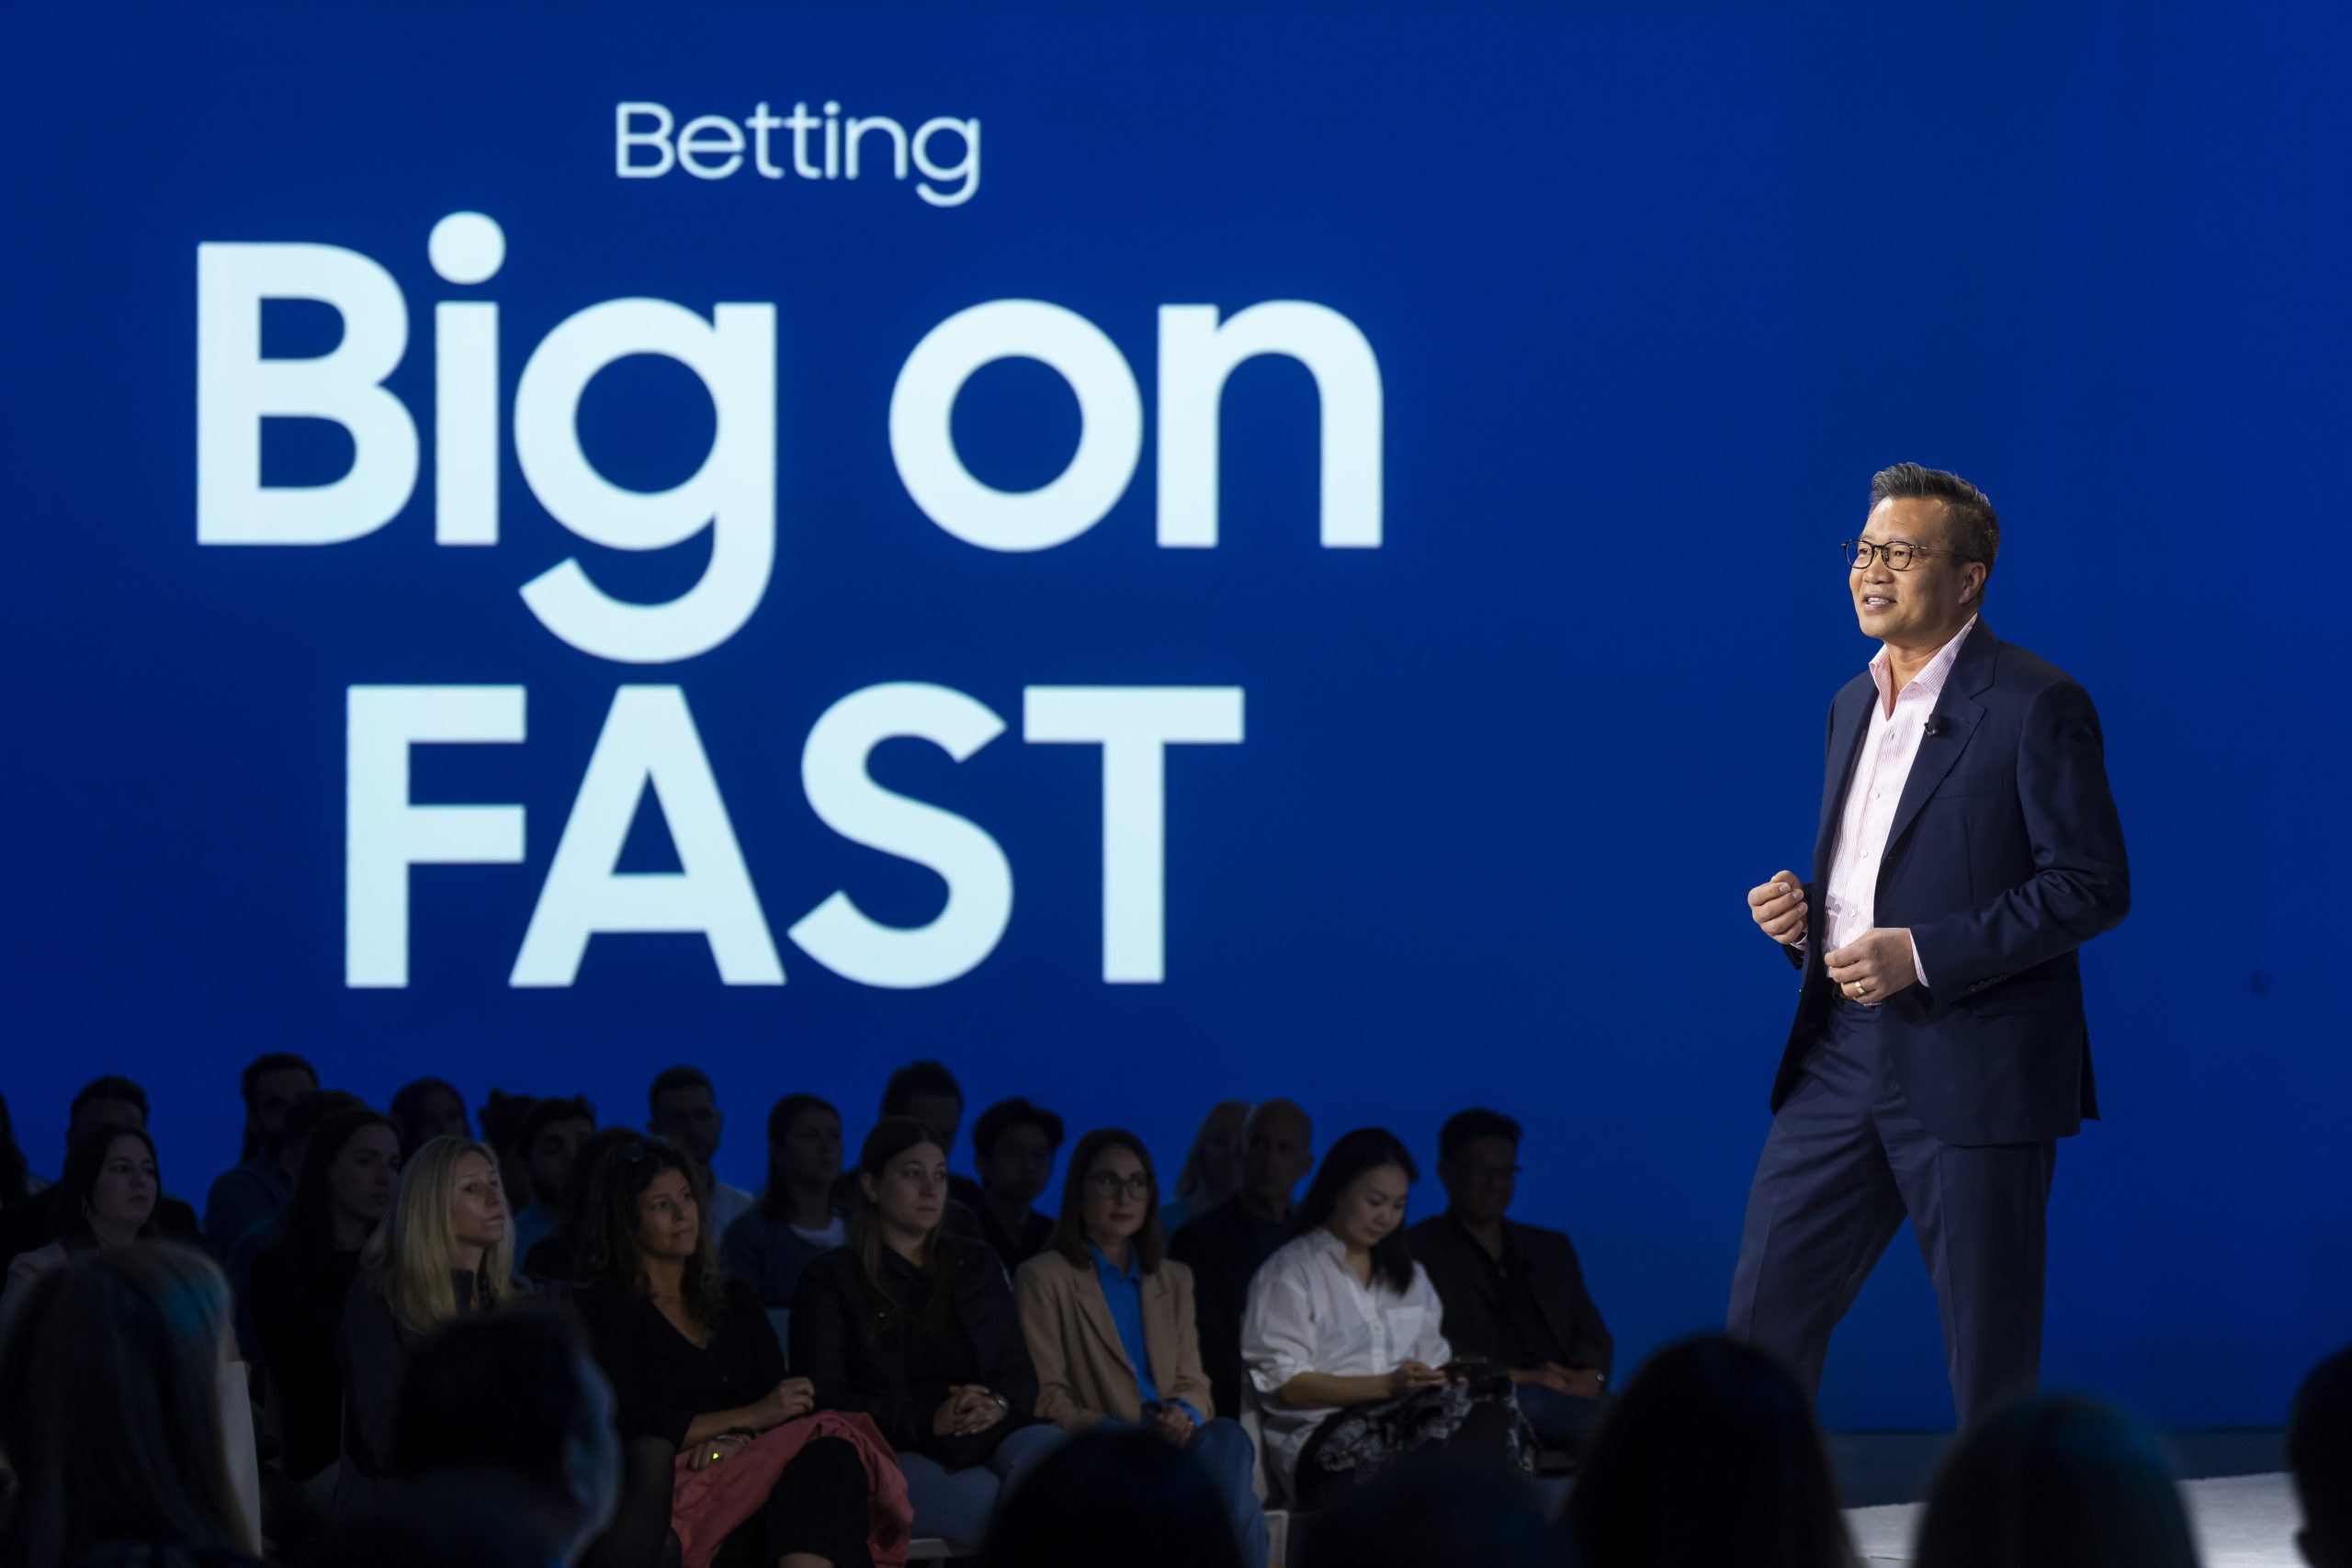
(1967, 847)
(1514, 1295)
(1224, 1247)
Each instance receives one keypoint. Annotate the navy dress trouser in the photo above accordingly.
(1845, 1163)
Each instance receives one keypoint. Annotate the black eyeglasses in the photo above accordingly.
(1899, 554)
(1110, 1186)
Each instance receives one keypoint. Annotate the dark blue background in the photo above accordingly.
(1654, 292)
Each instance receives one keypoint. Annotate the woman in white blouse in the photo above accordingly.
(1342, 1342)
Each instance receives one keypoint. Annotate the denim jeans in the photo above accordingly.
(955, 1504)
(1230, 1459)
(1561, 1420)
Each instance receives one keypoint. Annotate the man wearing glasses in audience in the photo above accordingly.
(1967, 846)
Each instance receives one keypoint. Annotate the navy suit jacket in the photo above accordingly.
(2005, 855)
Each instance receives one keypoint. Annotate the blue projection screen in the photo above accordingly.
(1168, 553)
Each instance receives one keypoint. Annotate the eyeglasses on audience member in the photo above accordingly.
(1110, 1184)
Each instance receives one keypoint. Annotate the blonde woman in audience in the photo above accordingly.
(445, 1249)
(1108, 1320)
(1212, 1170)
(110, 1415)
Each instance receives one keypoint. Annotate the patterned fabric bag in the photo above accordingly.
(1368, 1436)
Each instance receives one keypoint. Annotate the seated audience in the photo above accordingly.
(1107, 1269)
(293, 1139)
(2051, 1482)
(553, 1261)
(1224, 1246)
(927, 1091)
(426, 1109)
(553, 1130)
(109, 1101)
(917, 1330)
(1342, 1343)
(501, 1129)
(1212, 1170)
(1439, 1510)
(795, 1219)
(1112, 1496)
(515, 1394)
(105, 1199)
(683, 1108)
(111, 1415)
(1709, 1457)
(1514, 1295)
(2319, 1456)
(1013, 1146)
(261, 1183)
(445, 1250)
(696, 1365)
(350, 1167)
(17, 1179)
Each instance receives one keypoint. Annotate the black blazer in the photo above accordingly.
(1458, 1268)
(1224, 1248)
(2005, 856)
(834, 1346)
(370, 1347)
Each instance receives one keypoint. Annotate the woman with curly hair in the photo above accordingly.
(695, 1363)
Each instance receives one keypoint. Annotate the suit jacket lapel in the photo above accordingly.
(1849, 720)
(1097, 1313)
(1972, 672)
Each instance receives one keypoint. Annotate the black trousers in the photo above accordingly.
(1845, 1164)
(819, 1507)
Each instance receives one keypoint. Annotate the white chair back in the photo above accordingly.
(243, 1453)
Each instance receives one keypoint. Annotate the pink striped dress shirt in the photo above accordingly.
(1889, 749)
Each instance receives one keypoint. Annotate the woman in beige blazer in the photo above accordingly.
(1108, 1317)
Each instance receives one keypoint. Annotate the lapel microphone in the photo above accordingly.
(1938, 725)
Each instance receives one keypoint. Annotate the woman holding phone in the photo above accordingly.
(1342, 1341)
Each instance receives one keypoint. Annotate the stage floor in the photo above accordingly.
(2243, 1521)
(2244, 1508)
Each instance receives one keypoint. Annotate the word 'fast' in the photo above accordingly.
(649, 743)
